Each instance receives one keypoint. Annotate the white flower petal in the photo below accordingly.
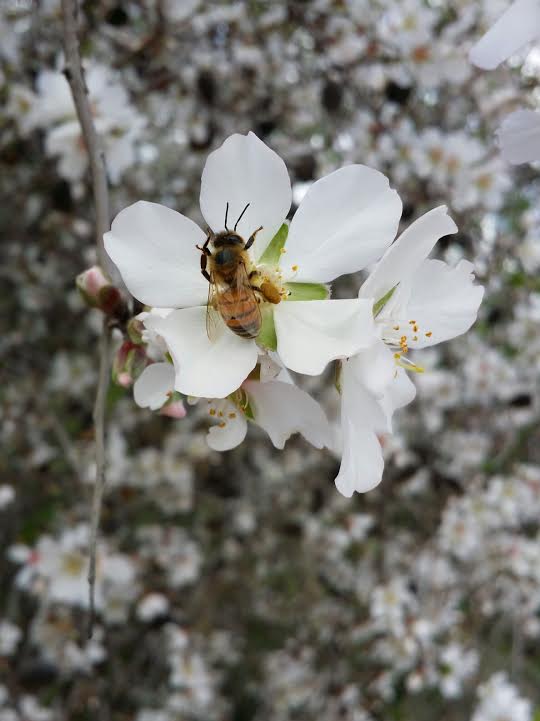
(312, 333)
(204, 368)
(283, 409)
(270, 367)
(154, 249)
(399, 393)
(362, 463)
(153, 386)
(344, 223)
(405, 256)
(362, 416)
(443, 301)
(231, 428)
(374, 367)
(245, 170)
(519, 137)
(515, 28)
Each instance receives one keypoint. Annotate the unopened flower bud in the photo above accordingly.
(97, 291)
(129, 363)
(135, 328)
(174, 409)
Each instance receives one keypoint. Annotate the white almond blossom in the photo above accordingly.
(420, 302)
(499, 699)
(344, 223)
(519, 134)
(52, 108)
(519, 25)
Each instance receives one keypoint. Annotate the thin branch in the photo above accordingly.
(96, 155)
(99, 485)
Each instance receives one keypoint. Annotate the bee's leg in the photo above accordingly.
(204, 260)
(251, 238)
(204, 248)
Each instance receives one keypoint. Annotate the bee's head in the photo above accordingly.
(227, 238)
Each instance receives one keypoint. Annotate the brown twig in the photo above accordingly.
(99, 485)
(96, 155)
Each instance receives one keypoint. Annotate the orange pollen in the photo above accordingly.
(232, 415)
(429, 334)
(396, 327)
(222, 424)
(212, 411)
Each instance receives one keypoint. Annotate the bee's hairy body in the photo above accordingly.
(235, 299)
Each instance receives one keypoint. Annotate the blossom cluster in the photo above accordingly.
(345, 222)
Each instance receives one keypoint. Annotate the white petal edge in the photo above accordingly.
(153, 386)
(406, 255)
(205, 368)
(519, 137)
(362, 462)
(283, 409)
(245, 170)
(153, 247)
(515, 28)
(312, 333)
(345, 222)
(399, 393)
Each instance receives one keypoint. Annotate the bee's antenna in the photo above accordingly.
(241, 214)
(226, 216)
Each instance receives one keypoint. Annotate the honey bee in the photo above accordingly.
(231, 292)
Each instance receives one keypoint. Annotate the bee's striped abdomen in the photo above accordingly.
(240, 311)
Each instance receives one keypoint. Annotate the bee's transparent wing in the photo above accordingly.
(213, 319)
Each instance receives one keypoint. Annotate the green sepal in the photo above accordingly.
(307, 291)
(379, 305)
(272, 254)
(267, 337)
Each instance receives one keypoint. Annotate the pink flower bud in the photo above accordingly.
(97, 291)
(129, 363)
(173, 410)
(124, 380)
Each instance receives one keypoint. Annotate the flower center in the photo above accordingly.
(267, 282)
(72, 563)
(400, 335)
